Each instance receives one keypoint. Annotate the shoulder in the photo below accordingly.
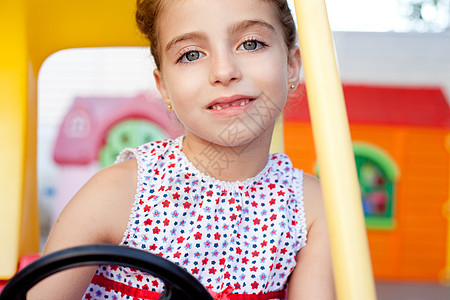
(111, 183)
(114, 189)
(313, 199)
(119, 172)
(110, 192)
(311, 186)
(313, 276)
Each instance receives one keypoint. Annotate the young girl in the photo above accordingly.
(213, 201)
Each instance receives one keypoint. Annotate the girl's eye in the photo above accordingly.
(190, 56)
(251, 45)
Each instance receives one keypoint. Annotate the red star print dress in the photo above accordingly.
(239, 239)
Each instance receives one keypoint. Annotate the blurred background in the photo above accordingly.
(394, 62)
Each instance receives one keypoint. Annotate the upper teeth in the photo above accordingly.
(235, 103)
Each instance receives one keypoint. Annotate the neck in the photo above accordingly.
(228, 163)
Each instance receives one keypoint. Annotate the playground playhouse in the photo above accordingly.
(401, 143)
(96, 129)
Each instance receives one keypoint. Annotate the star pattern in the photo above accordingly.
(241, 236)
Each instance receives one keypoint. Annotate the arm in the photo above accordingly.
(98, 213)
(313, 276)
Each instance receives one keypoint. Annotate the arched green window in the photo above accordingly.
(377, 175)
(129, 133)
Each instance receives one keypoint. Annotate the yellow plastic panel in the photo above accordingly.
(30, 31)
(13, 109)
(54, 25)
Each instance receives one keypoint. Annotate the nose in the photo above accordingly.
(224, 69)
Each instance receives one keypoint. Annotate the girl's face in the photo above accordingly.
(225, 68)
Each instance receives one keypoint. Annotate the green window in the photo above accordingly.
(377, 175)
(128, 133)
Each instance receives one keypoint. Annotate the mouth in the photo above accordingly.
(235, 102)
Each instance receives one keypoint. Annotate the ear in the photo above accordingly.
(294, 66)
(161, 86)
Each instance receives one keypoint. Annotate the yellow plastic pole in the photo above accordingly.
(350, 251)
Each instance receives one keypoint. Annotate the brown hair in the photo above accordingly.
(148, 11)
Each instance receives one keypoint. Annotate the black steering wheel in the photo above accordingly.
(179, 284)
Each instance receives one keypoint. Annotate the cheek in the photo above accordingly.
(276, 83)
(272, 68)
(182, 87)
(275, 79)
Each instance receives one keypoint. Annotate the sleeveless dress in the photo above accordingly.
(239, 239)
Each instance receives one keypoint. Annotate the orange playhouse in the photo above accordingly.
(401, 143)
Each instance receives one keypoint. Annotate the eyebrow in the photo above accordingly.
(244, 25)
(238, 27)
(185, 37)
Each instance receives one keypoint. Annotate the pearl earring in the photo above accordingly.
(292, 86)
(169, 106)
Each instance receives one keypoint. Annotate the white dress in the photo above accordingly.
(239, 239)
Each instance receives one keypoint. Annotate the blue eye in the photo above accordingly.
(193, 55)
(250, 45)
(190, 56)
